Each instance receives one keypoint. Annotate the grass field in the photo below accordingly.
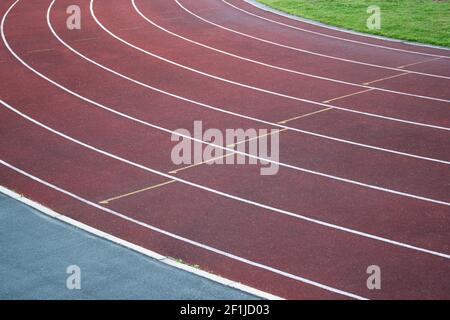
(426, 21)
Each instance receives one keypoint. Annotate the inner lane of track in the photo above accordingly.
(208, 218)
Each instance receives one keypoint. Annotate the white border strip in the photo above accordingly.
(265, 7)
(139, 249)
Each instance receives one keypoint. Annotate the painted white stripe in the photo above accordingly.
(331, 36)
(278, 67)
(209, 106)
(310, 52)
(255, 88)
(149, 253)
(217, 146)
(223, 194)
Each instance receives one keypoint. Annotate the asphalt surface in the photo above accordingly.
(37, 250)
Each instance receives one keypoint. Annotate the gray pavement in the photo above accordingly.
(35, 252)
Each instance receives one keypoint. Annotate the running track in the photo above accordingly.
(87, 115)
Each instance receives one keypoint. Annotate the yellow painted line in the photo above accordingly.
(304, 116)
(85, 39)
(130, 29)
(347, 95)
(40, 50)
(185, 168)
(199, 164)
(216, 158)
(136, 192)
(416, 63)
(255, 138)
(209, 160)
(387, 78)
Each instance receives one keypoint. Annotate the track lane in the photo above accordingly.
(256, 29)
(194, 28)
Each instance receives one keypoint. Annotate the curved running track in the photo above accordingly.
(87, 118)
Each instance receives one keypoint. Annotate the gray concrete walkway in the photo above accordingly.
(35, 252)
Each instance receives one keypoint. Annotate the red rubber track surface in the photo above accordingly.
(317, 252)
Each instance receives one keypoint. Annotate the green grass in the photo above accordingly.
(426, 21)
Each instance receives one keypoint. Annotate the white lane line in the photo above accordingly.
(278, 67)
(307, 51)
(149, 253)
(181, 238)
(216, 146)
(226, 195)
(330, 36)
(205, 105)
(255, 88)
